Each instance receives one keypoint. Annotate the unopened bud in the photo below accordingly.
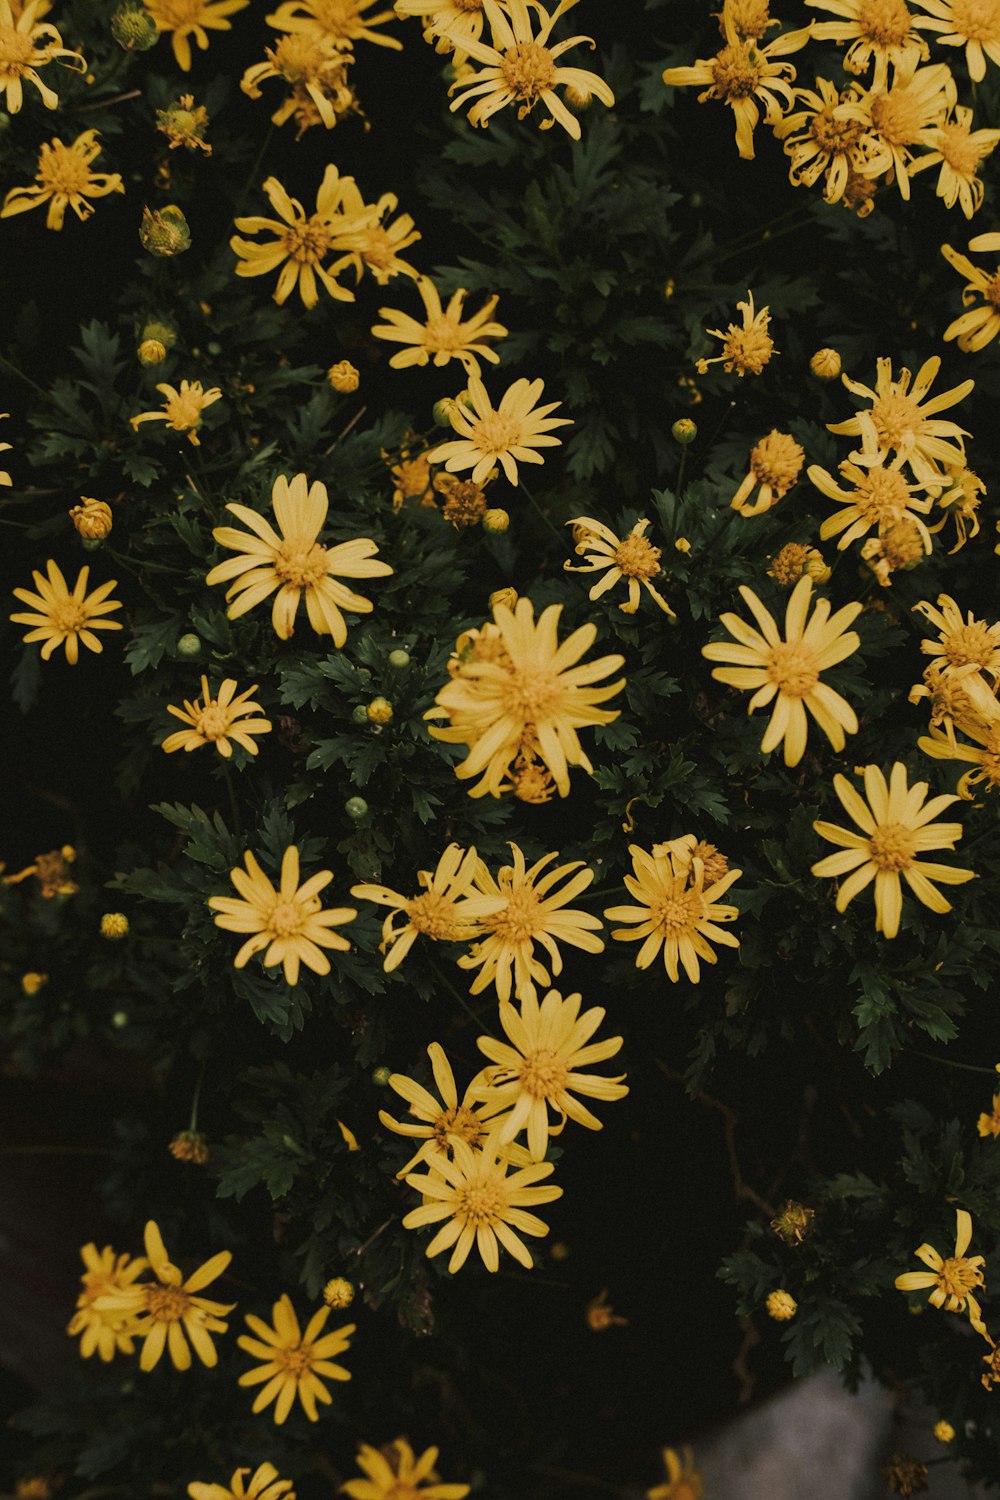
(92, 518)
(189, 1145)
(399, 659)
(684, 431)
(338, 1293)
(442, 410)
(379, 711)
(356, 808)
(164, 231)
(32, 982)
(114, 926)
(495, 520)
(343, 377)
(189, 644)
(507, 597)
(152, 352)
(781, 1306)
(133, 28)
(825, 364)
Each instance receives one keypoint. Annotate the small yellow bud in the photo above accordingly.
(92, 518)
(114, 925)
(379, 711)
(507, 596)
(442, 410)
(189, 1145)
(495, 520)
(32, 982)
(682, 544)
(944, 1432)
(338, 1292)
(164, 231)
(684, 431)
(795, 559)
(343, 377)
(669, 288)
(781, 1306)
(152, 352)
(825, 364)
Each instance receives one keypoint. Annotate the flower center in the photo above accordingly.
(496, 433)
(882, 494)
(444, 334)
(167, 1304)
(68, 615)
(886, 22)
(833, 135)
(959, 1276)
(969, 643)
(469, 7)
(637, 558)
(461, 1122)
(297, 1361)
(528, 70)
(543, 1074)
(285, 919)
(748, 349)
(678, 912)
(16, 48)
(892, 846)
(481, 1203)
(518, 921)
(298, 57)
(531, 695)
(212, 722)
(300, 562)
(776, 461)
(307, 242)
(992, 291)
(63, 170)
(897, 117)
(958, 148)
(185, 410)
(434, 915)
(792, 666)
(896, 418)
(977, 20)
(750, 17)
(735, 73)
(379, 252)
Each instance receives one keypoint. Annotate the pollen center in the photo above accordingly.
(969, 643)
(531, 695)
(958, 148)
(298, 57)
(296, 1361)
(835, 135)
(496, 433)
(677, 914)
(528, 70)
(444, 334)
(461, 1122)
(212, 722)
(301, 563)
(734, 73)
(896, 418)
(637, 558)
(434, 915)
(483, 1203)
(992, 290)
(882, 494)
(747, 349)
(167, 1304)
(285, 919)
(886, 22)
(958, 1276)
(518, 921)
(892, 846)
(16, 48)
(897, 117)
(978, 20)
(792, 667)
(543, 1074)
(63, 170)
(306, 242)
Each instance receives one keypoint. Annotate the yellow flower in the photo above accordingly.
(438, 911)
(989, 1125)
(371, 244)
(184, 123)
(27, 44)
(775, 464)
(781, 1306)
(980, 325)
(538, 1073)
(91, 518)
(879, 31)
(216, 721)
(182, 409)
(829, 134)
(954, 1279)
(960, 503)
(683, 1480)
(341, 22)
(795, 1223)
(901, 113)
(396, 1473)
(114, 926)
(438, 1119)
(192, 18)
(51, 871)
(962, 640)
(294, 563)
(944, 1432)
(745, 76)
(746, 348)
(343, 377)
(881, 497)
(106, 1332)
(530, 693)
(520, 68)
(33, 982)
(298, 242)
(64, 181)
(189, 1145)
(316, 72)
(481, 1202)
(264, 1485)
(633, 558)
(287, 922)
(959, 150)
(60, 617)
(789, 670)
(338, 1293)
(677, 911)
(166, 1309)
(982, 725)
(903, 422)
(795, 560)
(293, 1360)
(443, 334)
(825, 364)
(511, 433)
(896, 826)
(520, 908)
(974, 24)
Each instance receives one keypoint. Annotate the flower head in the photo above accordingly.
(794, 560)
(217, 721)
(676, 911)
(287, 922)
(316, 73)
(897, 826)
(962, 639)
(788, 671)
(293, 1359)
(395, 1473)
(876, 31)
(903, 420)
(746, 347)
(343, 377)
(439, 911)
(972, 24)
(901, 113)
(264, 1485)
(827, 134)
(92, 519)
(977, 715)
(781, 1306)
(510, 434)
(443, 336)
(184, 124)
(291, 562)
(436, 1121)
(775, 464)
(447, 24)
(299, 242)
(64, 180)
(632, 558)
(27, 44)
(953, 1280)
(881, 497)
(959, 151)
(373, 244)
(182, 409)
(61, 617)
(978, 326)
(192, 18)
(104, 1332)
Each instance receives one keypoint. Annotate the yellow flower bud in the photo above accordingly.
(825, 364)
(944, 1432)
(164, 231)
(684, 431)
(32, 982)
(189, 1145)
(114, 925)
(781, 1306)
(507, 596)
(379, 711)
(92, 518)
(495, 520)
(338, 1292)
(343, 377)
(682, 544)
(795, 559)
(152, 352)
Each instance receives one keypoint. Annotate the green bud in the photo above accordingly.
(381, 1076)
(399, 659)
(360, 714)
(120, 1019)
(684, 431)
(213, 347)
(442, 411)
(189, 645)
(133, 28)
(356, 808)
(164, 231)
(496, 520)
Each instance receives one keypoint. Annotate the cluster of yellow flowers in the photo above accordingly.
(961, 686)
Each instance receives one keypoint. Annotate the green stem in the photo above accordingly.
(254, 170)
(21, 376)
(680, 470)
(234, 810)
(535, 506)
(360, 1250)
(457, 995)
(946, 1062)
(194, 1102)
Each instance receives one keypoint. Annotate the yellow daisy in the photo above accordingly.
(314, 70)
(442, 336)
(508, 435)
(293, 1360)
(105, 1333)
(439, 911)
(395, 1473)
(64, 181)
(520, 688)
(905, 419)
(294, 563)
(182, 409)
(789, 670)
(216, 721)
(27, 44)
(632, 558)
(437, 1120)
(683, 1480)
(538, 1073)
(481, 1201)
(953, 1280)
(881, 497)
(520, 908)
(63, 618)
(167, 1309)
(521, 67)
(896, 826)
(962, 640)
(191, 18)
(746, 347)
(901, 113)
(299, 242)
(264, 1485)
(287, 922)
(372, 244)
(775, 464)
(746, 76)
(876, 31)
(981, 324)
(677, 911)
(827, 134)
(982, 725)
(340, 22)
(959, 151)
(974, 24)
